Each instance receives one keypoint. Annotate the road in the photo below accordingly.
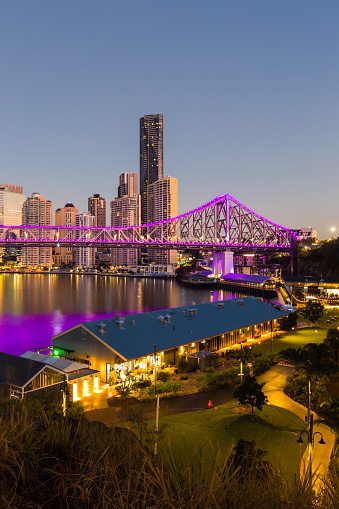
(275, 380)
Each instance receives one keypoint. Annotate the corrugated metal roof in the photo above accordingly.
(63, 364)
(249, 278)
(18, 371)
(139, 332)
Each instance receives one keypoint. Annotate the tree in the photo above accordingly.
(249, 393)
(332, 340)
(293, 356)
(313, 311)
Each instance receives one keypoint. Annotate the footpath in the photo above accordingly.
(275, 381)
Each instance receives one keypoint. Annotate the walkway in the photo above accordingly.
(275, 381)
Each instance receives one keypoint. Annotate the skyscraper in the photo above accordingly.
(11, 202)
(162, 197)
(65, 216)
(37, 211)
(97, 208)
(125, 211)
(151, 156)
(84, 256)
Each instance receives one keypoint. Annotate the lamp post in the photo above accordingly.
(310, 434)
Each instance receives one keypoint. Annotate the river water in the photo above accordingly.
(35, 307)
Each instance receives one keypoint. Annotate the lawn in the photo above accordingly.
(200, 434)
(297, 338)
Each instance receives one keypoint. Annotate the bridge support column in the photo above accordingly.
(223, 263)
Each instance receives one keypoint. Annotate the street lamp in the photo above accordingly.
(310, 434)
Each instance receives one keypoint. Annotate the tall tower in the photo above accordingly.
(125, 211)
(162, 197)
(97, 208)
(11, 202)
(151, 156)
(65, 216)
(37, 211)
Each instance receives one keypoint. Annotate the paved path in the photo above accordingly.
(275, 381)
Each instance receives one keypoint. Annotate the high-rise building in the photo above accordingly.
(97, 208)
(65, 216)
(11, 202)
(125, 211)
(37, 211)
(84, 256)
(162, 197)
(128, 184)
(151, 156)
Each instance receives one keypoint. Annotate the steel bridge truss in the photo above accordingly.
(222, 223)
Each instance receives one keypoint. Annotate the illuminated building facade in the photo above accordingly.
(97, 208)
(37, 211)
(11, 203)
(151, 156)
(65, 216)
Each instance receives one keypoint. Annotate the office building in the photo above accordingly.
(162, 198)
(151, 156)
(125, 211)
(65, 216)
(37, 211)
(84, 256)
(97, 208)
(128, 184)
(11, 202)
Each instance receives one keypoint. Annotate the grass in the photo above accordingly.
(297, 338)
(274, 429)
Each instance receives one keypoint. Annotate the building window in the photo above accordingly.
(108, 372)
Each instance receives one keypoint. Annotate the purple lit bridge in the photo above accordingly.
(223, 224)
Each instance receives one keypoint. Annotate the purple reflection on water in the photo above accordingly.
(21, 333)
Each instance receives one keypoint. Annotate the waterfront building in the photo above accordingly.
(151, 156)
(65, 216)
(37, 211)
(162, 197)
(97, 208)
(128, 342)
(11, 203)
(125, 211)
(34, 374)
(84, 256)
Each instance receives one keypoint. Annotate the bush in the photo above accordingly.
(262, 363)
(184, 377)
(183, 365)
(163, 376)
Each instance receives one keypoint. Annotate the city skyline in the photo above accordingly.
(248, 93)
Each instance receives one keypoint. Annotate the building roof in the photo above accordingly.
(64, 365)
(247, 278)
(18, 371)
(134, 335)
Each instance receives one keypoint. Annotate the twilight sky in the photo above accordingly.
(248, 89)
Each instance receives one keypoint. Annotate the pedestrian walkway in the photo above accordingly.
(275, 381)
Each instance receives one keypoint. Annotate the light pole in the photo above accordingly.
(310, 441)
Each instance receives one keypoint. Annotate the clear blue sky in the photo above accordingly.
(248, 89)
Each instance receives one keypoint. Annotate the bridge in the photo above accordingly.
(222, 224)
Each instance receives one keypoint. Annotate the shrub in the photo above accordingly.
(183, 365)
(163, 376)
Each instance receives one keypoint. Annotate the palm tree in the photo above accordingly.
(293, 356)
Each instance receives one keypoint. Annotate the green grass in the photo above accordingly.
(274, 429)
(297, 338)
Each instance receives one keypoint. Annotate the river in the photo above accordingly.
(35, 307)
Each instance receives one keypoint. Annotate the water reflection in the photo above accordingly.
(35, 307)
